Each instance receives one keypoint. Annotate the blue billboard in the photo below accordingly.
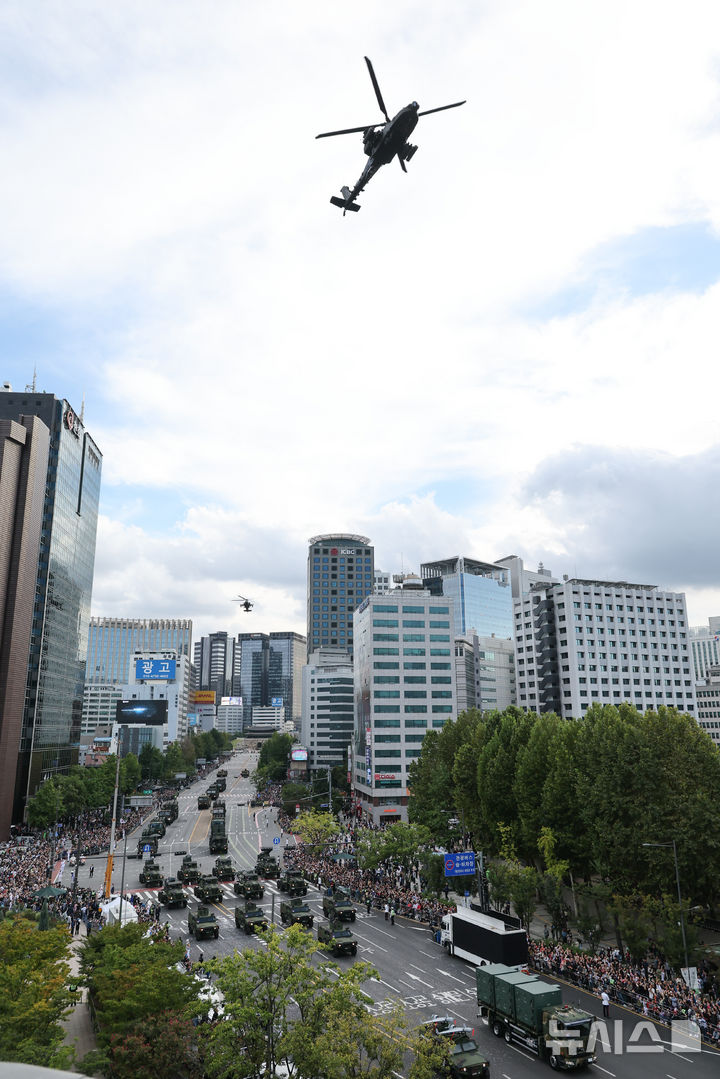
(155, 670)
(276, 702)
(461, 864)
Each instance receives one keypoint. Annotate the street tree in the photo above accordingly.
(33, 994)
(316, 829)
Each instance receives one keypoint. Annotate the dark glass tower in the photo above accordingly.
(341, 572)
(63, 584)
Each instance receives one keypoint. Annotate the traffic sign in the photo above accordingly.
(276, 840)
(146, 848)
(461, 864)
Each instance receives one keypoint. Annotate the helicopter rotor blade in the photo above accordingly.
(402, 163)
(348, 130)
(376, 88)
(455, 105)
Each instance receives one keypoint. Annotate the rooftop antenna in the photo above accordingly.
(82, 410)
(31, 388)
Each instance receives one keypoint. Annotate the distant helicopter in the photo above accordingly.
(383, 145)
(246, 604)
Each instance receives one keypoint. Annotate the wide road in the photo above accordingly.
(411, 966)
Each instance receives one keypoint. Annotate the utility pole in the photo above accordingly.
(109, 867)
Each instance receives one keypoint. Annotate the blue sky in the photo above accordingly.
(439, 371)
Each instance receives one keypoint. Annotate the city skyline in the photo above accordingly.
(499, 355)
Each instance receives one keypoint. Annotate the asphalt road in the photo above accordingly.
(410, 965)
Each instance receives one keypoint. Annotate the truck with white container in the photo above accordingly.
(479, 938)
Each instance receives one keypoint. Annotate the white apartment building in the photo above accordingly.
(707, 691)
(162, 676)
(98, 710)
(582, 641)
(404, 686)
(328, 700)
(383, 582)
(705, 647)
(229, 715)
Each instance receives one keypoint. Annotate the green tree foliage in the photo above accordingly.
(294, 794)
(33, 994)
(163, 1046)
(402, 843)
(48, 805)
(274, 757)
(316, 829)
(151, 762)
(131, 979)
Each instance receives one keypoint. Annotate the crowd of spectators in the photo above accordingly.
(649, 987)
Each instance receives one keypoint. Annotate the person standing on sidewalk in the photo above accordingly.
(605, 1003)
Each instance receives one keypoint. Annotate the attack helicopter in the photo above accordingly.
(382, 142)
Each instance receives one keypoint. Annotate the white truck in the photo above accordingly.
(481, 939)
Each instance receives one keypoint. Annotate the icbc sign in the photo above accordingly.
(72, 422)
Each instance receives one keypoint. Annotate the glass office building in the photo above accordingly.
(268, 667)
(50, 735)
(480, 591)
(112, 643)
(340, 575)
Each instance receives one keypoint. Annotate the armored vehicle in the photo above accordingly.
(150, 874)
(249, 885)
(223, 869)
(189, 871)
(296, 910)
(172, 893)
(292, 882)
(203, 801)
(250, 917)
(336, 938)
(338, 907)
(207, 889)
(202, 923)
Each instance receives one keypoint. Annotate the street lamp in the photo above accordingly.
(682, 918)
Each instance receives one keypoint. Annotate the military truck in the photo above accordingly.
(520, 1007)
(463, 1054)
(250, 917)
(336, 938)
(203, 923)
(221, 785)
(172, 893)
(218, 837)
(189, 871)
(338, 907)
(245, 773)
(207, 889)
(155, 827)
(293, 882)
(150, 841)
(150, 874)
(212, 792)
(223, 869)
(222, 773)
(218, 810)
(204, 801)
(296, 910)
(249, 885)
(170, 811)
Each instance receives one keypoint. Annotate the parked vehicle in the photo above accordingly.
(520, 1007)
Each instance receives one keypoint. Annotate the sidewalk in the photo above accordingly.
(78, 1025)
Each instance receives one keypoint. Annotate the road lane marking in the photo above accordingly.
(604, 1070)
(371, 942)
(382, 982)
(421, 980)
(421, 969)
(446, 975)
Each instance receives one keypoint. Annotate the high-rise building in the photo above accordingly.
(707, 691)
(328, 700)
(99, 700)
(480, 591)
(340, 574)
(113, 642)
(705, 647)
(268, 669)
(484, 673)
(521, 579)
(214, 658)
(53, 668)
(158, 676)
(404, 687)
(583, 642)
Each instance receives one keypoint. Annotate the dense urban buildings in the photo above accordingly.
(404, 675)
(484, 673)
(328, 699)
(585, 641)
(268, 669)
(340, 574)
(52, 669)
(214, 659)
(113, 642)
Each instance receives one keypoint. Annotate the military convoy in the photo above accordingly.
(172, 893)
(189, 871)
(223, 869)
(338, 907)
(245, 773)
(203, 801)
(296, 911)
(155, 827)
(266, 866)
(251, 917)
(463, 1056)
(169, 811)
(203, 923)
(293, 882)
(249, 885)
(218, 836)
(222, 773)
(149, 841)
(336, 938)
(150, 874)
(207, 890)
